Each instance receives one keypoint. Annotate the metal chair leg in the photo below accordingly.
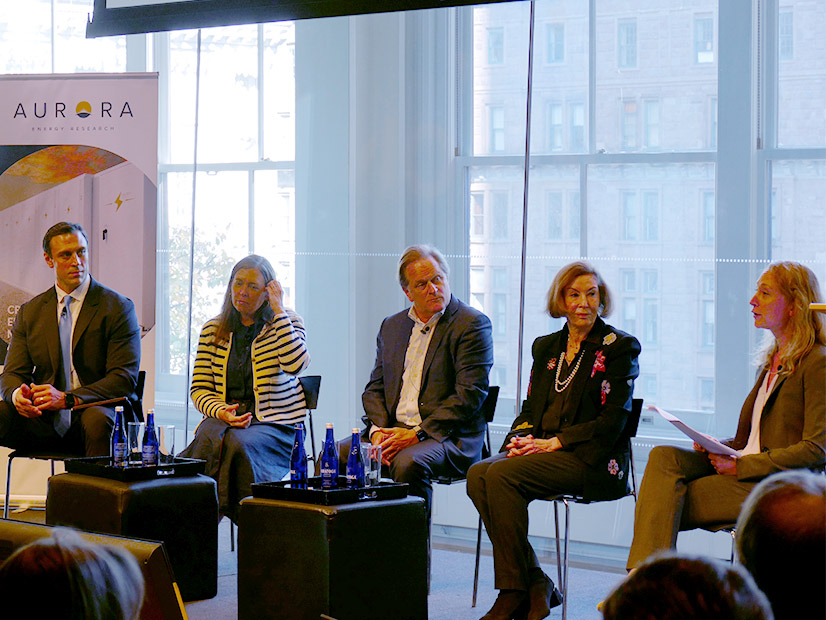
(733, 559)
(565, 578)
(8, 490)
(478, 552)
(231, 536)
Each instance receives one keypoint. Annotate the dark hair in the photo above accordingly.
(418, 252)
(61, 228)
(678, 587)
(781, 540)
(66, 576)
(564, 278)
(230, 317)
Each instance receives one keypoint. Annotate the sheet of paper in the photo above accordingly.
(709, 443)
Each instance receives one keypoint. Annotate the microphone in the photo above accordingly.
(425, 329)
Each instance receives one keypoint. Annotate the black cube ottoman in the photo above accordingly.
(360, 561)
(182, 512)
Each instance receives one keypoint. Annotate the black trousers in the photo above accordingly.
(501, 489)
(89, 433)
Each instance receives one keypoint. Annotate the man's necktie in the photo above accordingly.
(63, 419)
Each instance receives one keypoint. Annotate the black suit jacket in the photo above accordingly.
(106, 346)
(596, 406)
(454, 375)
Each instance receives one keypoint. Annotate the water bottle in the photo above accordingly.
(120, 447)
(329, 461)
(298, 460)
(150, 440)
(355, 468)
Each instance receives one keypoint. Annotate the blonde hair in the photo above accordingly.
(564, 278)
(799, 287)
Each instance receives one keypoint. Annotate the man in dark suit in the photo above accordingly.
(39, 385)
(430, 378)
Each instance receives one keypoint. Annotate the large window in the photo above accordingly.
(330, 145)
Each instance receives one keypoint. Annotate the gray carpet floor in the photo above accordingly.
(451, 586)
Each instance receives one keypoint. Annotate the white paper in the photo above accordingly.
(709, 443)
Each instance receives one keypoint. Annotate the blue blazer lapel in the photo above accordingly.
(397, 341)
(439, 333)
(87, 312)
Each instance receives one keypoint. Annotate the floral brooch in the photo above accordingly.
(599, 363)
(609, 339)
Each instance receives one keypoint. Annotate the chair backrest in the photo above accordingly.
(629, 432)
(488, 409)
(311, 384)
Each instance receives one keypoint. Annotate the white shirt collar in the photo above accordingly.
(79, 294)
(415, 317)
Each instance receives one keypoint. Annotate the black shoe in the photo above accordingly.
(543, 596)
(507, 604)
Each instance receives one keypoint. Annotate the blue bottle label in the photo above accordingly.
(120, 452)
(150, 454)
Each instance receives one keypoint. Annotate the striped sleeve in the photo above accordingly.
(208, 389)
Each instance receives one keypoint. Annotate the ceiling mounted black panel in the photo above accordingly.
(115, 17)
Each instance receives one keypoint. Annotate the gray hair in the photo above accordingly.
(418, 252)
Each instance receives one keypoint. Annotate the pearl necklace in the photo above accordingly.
(561, 386)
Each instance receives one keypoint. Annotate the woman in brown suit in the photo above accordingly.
(782, 424)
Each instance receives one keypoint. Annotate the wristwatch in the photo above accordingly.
(420, 434)
(69, 399)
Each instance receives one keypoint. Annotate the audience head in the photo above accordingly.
(565, 277)
(675, 587)
(65, 577)
(798, 287)
(230, 316)
(781, 540)
(423, 275)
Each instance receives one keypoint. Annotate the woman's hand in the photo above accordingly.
(723, 464)
(519, 446)
(227, 414)
(275, 296)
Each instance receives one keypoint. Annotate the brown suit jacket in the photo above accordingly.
(793, 423)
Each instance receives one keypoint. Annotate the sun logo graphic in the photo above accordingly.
(83, 109)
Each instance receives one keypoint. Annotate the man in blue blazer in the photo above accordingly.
(38, 388)
(430, 379)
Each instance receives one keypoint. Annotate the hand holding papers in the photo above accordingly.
(709, 443)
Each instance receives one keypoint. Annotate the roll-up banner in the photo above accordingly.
(79, 148)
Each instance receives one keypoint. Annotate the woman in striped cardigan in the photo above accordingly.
(245, 384)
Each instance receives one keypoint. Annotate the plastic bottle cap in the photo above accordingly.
(329, 425)
(355, 430)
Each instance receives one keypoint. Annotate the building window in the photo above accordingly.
(707, 393)
(477, 214)
(500, 215)
(703, 40)
(577, 127)
(652, 125)
(500, 314)
(707, 331)
(629, 216)
(554, 215)
(708, 217)
(774, 210)
(499, 279)
(575, 215)
(629, 125)
(556, 43)
(785, 37)
(708, 283)
(651, 216)
(627, 44)
(555, 126)
(629, 280)
(497, 129)
(650, 281)
(629, 315)
(650, 308)
(496, 46)
(713, 124)
(477, 288)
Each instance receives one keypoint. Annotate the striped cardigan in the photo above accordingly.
(279, 353)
